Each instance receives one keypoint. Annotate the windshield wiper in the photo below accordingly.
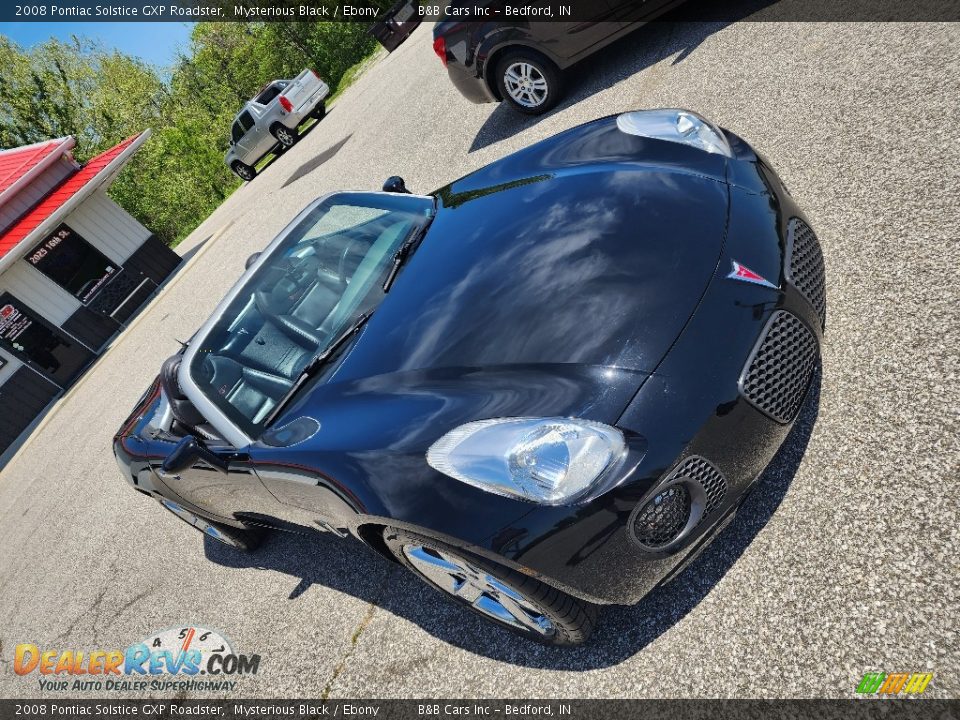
(405, 250)
(315, 364)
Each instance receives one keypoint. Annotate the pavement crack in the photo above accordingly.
(94, 608)
(114, 614)
(355, 638)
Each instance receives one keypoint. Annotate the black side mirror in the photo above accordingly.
(395, 184)
(251, 260)
(187, 453)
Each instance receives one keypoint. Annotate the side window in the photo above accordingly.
(268, 95)
(237, 132)
(245, 120)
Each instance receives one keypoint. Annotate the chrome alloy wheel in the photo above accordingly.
(480, 590)
(198, 522)
(526, 84)
(285, 136)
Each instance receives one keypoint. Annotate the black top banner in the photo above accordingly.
(501, 11)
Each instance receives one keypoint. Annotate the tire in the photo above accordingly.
(243, 171)
(287, 137)
(244, 540)
(319, 111)
(528, 81)
(494, 591)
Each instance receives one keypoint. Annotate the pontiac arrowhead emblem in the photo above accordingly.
(742, 272)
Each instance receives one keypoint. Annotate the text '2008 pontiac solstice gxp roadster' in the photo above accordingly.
(542, 388)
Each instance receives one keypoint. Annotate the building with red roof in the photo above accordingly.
(74, 270)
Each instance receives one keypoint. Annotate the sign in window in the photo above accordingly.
(38, 343)
(73, 263)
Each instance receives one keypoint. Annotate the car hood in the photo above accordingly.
(544, 260)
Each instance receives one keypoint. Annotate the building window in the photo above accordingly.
(38, 343)
(73, 263)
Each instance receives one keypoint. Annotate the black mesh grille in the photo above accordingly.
(663, 518)
(806, 266)
(707, 476)
(779, 373)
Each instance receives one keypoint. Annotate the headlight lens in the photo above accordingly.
(553, 461)
(679, 126)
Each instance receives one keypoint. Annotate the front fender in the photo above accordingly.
(374, 434)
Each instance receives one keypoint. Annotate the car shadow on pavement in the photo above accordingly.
(316, 161)
(622, 631)
(669, 36)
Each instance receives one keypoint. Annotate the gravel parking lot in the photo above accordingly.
(844, 561)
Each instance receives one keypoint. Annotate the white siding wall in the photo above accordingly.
(34, 191)
(10, 368)
(39, 292)
(108, 227)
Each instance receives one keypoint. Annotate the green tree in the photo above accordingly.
(178, 177)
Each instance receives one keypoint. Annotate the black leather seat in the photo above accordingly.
(306, 292)
(253, 393)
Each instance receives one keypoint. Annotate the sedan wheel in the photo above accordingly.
(529, 82)
(244, 540)
(526, 84)
(517, 602)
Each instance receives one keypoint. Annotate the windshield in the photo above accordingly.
(310, 286)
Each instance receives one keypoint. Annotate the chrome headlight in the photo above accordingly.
(679, 126)
(552, 461)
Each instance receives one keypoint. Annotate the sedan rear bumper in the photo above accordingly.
(473, 88)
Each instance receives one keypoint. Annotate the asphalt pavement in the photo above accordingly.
(844, 561)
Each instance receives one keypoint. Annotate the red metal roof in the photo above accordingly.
(16, 163)
(52, 202)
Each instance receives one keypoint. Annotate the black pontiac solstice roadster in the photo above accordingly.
(542, 388)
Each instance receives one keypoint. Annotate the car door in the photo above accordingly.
(250, 146)
(569, 41)
(308, 496)
(264, 138)
(231, 494)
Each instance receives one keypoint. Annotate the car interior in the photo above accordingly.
(298, 300)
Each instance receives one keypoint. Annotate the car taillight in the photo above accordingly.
(316, 74)
(440, 48)
(286, 104)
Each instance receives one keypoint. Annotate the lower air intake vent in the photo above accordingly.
(806, 270)
(778, 373)
(691, 492)
(707, 477)
(661, 520)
